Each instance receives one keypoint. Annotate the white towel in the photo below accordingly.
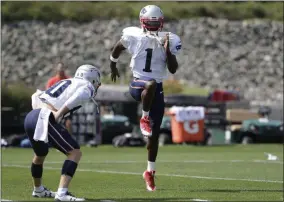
(41, 130)
(188, 113)
(36, 102)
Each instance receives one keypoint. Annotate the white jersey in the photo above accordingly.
(69, 92)
(148, 54)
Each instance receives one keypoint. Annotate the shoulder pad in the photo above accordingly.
(132, 31)
(174, 37)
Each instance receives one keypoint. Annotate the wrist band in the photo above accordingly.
(113, 59)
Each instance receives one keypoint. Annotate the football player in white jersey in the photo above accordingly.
(42, 127)
(153, 54)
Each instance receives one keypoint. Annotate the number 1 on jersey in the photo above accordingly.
(148, 60)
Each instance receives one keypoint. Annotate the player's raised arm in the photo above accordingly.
(172, 63)
(171, 50)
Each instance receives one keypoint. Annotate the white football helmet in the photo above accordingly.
(151, 18)
(91, 74)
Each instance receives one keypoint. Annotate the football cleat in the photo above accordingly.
(67, 197)
(149, 179)
(145, 126)
(45, 193)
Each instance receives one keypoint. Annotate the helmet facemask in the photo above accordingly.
(96, 85)
(154, 25)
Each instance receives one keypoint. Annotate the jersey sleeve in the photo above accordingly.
(175, 44)
(129, 38)
(81, 96)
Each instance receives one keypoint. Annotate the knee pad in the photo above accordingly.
(69, 168)
(36, 170)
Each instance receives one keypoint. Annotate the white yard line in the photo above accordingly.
(168, 175)
(107, 201)
(199, 200)
(166, 161)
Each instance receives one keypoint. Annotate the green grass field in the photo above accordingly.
(184, 173)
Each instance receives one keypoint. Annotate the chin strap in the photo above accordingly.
(98, 110)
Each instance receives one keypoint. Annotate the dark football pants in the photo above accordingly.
(58, 137)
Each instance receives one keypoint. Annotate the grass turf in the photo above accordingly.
(185, 173)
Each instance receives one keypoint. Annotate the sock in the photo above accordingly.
(151, 166)
(62, 191)
(38, 189)
(145, 113)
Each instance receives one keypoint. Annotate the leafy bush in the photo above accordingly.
(87, 11)
(17, 96)
(172, 87)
